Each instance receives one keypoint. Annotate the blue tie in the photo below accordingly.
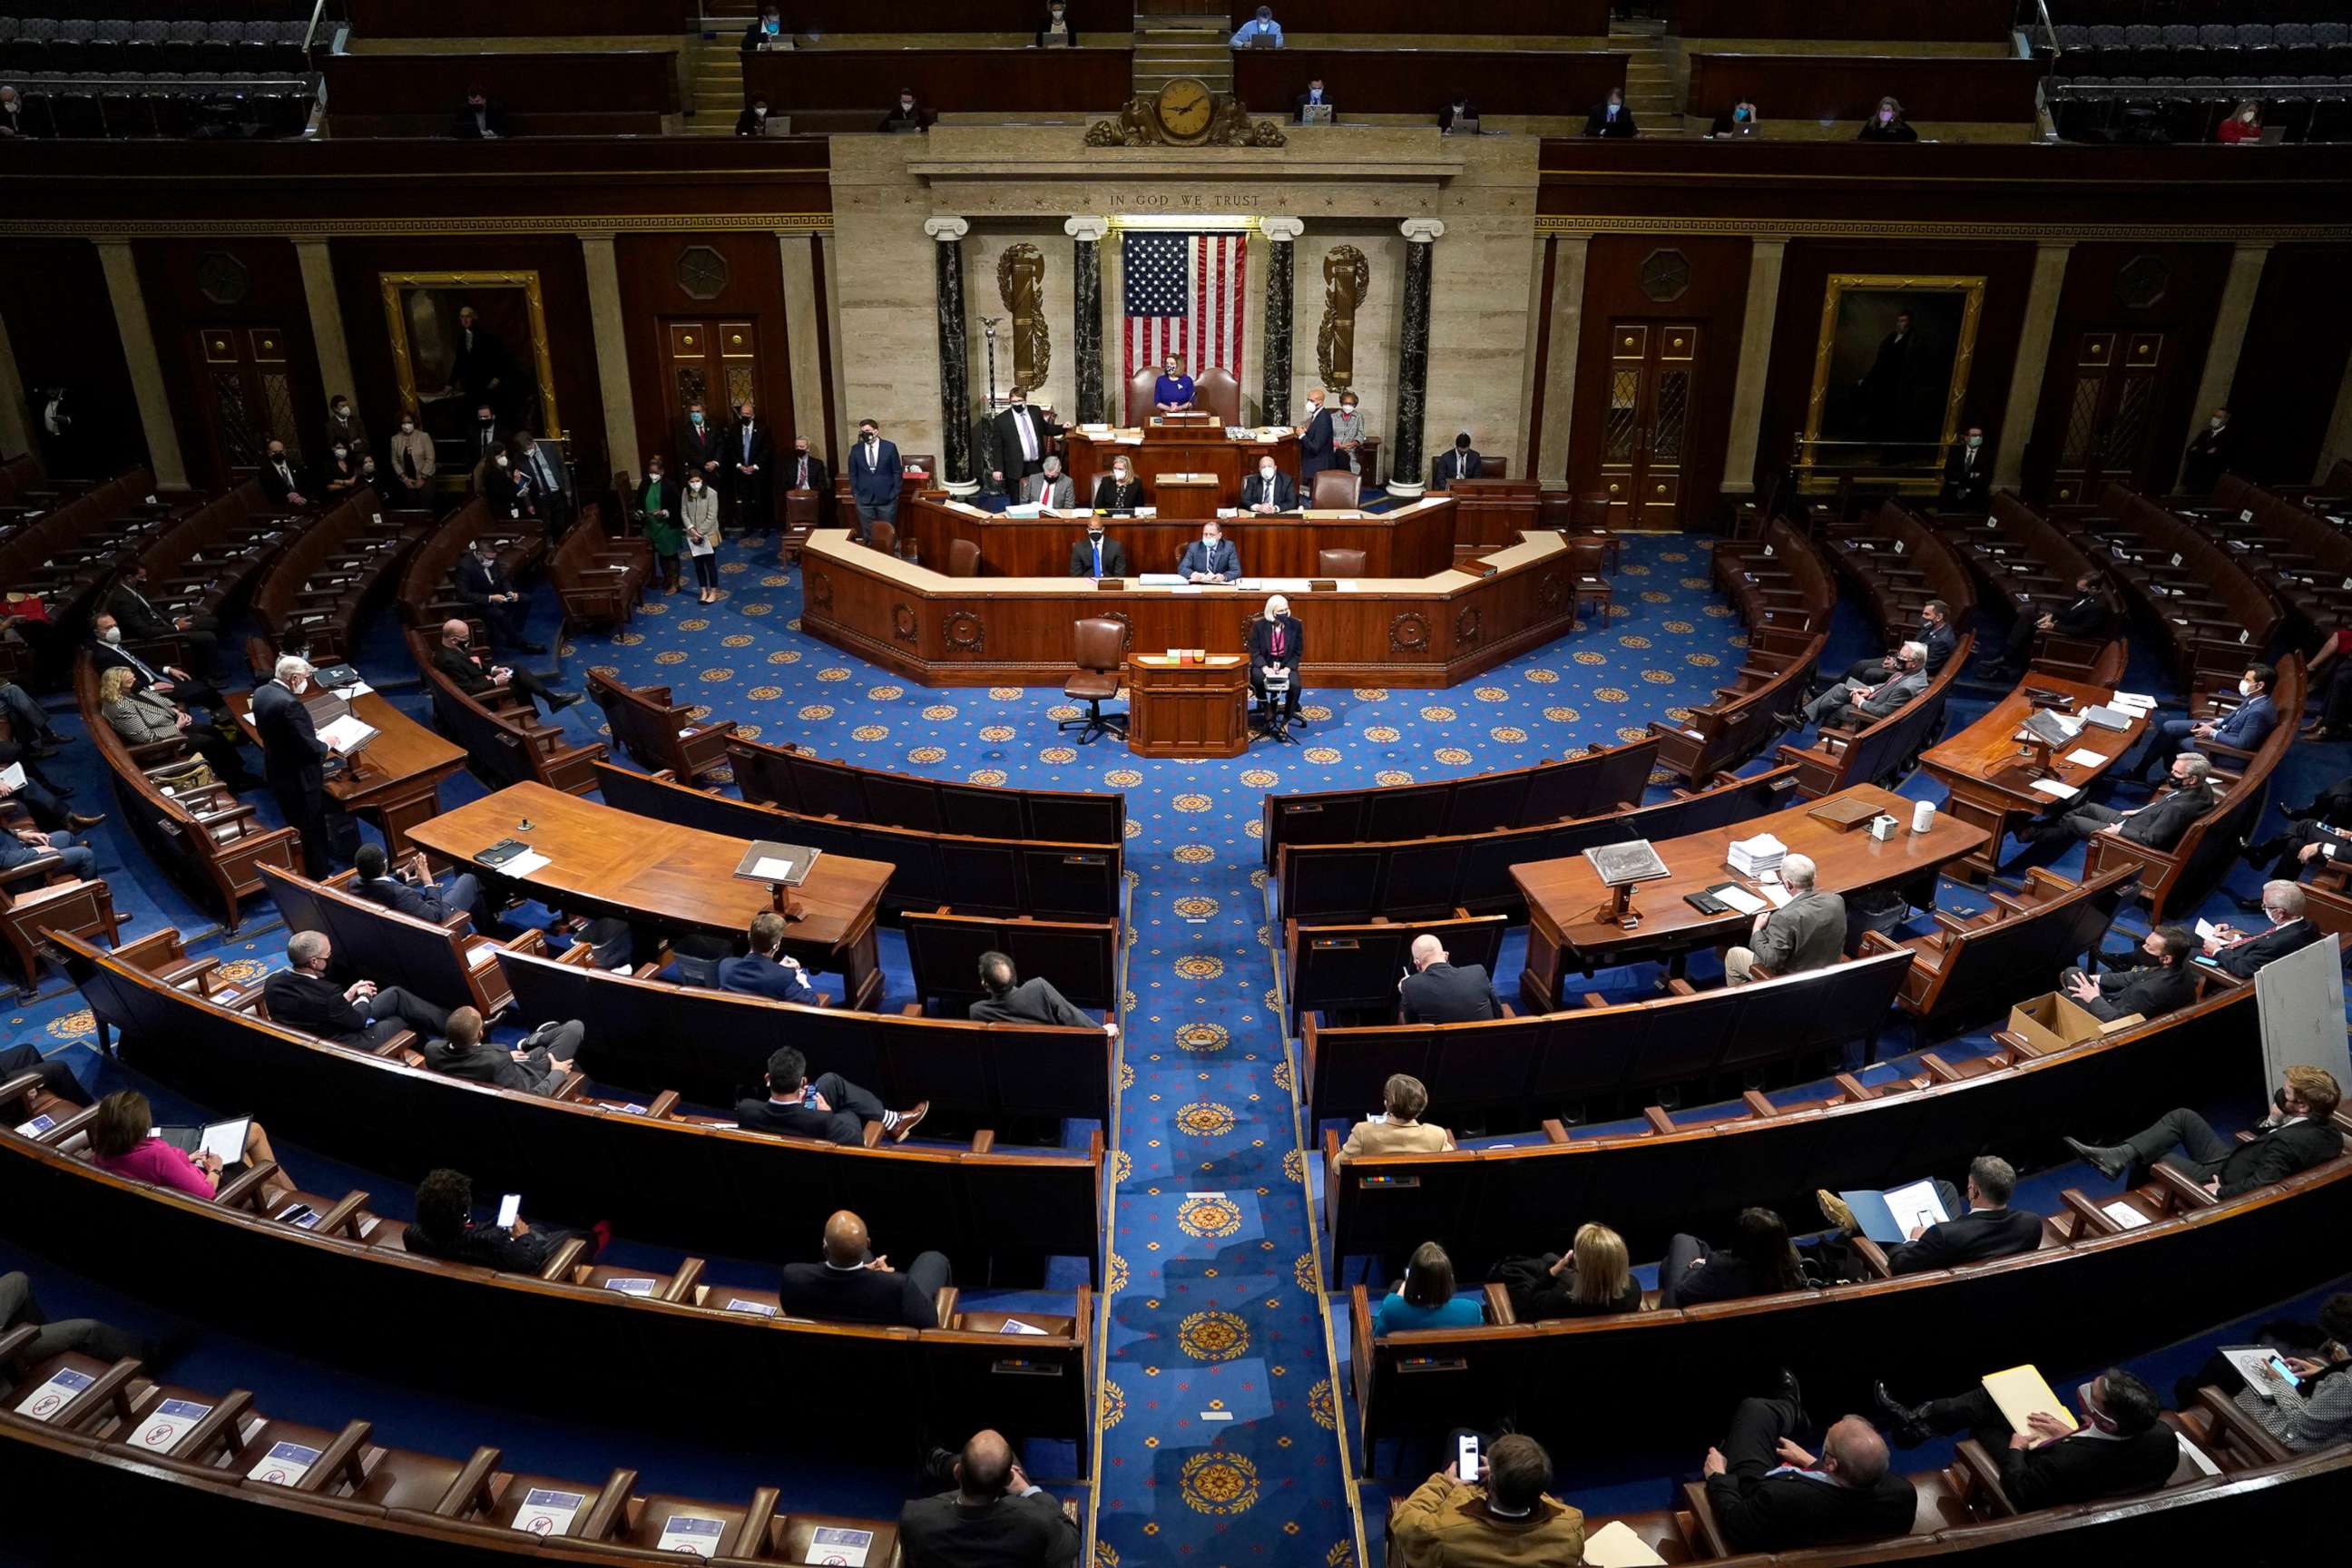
(1098, 557)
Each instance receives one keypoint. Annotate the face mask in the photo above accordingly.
(1976, 440)
(342, 410)
(653, 473)
(527, 451)
(1018, 405)
(771, 28)
(1461, 446)
(1887, 117)
(502, 462)
(1121, 475)
(696, 417)
(111, 635)
(406, 428)
(1738, 115)
(866, 435)
(1346, 408)
(343, 451)
(2245, 688)
(1266, 473)
(488, 419)
(696, 487)
(759, 111)
(2216, 424)
(368, 467)
(907, 103)
(1094, 535)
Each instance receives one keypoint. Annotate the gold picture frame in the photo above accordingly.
(398, 287)
(1896, 425)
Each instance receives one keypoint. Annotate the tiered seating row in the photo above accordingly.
(800, 780)
(334, 570)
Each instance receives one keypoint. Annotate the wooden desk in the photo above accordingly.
(1206, 451)
(395, 782)
(616, 863)
(1187, 710)
(1187, 498)
(1406, 541)
(1990, 773)
(1565, 898)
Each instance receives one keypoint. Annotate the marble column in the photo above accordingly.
(1281, 233)
(955, 390)
(131, 323)
(796, 251)
(1765, 256)
(1566, 328)
(1405, 479)
(2032, 362)
(2230, 323)
(1086, 312)
(610, 334)
(15, 412)
(326, 318)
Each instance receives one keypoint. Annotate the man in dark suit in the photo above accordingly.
(1313, 98)
(481, 366)
(1461, 463)
(293, 759)
(1886, 386)
(2158, 824)
(1269, 490)
(1024, 438)
(1806, 932)
(750, 451)
(2243, 727)
(2319, 834)
(482, 118)
(282, 478)
(484, 585)
(474, 674)
(2083, 616)
(876, 478)
(2282, 905)
(1968, 474)
(1990, 1228)
(549, 476)
(2119, 1447)
(905, 114)
(832, 1110)
(1097, 554)
(1458, 112)
(766, 31)
(1935, 636)
(1858, 701)
(538, 1066)
(995, 1517)
(2151, 980)
(698, 444)
(2296, 1136)
(1438, 992)
(2211, 453)
(360, 1014)
(141, 621)
(1277, 643)
(1012, 1000)
(1610, 116)
(1210, 558)
(1314, 440)
(766, 971)
(1771, 1495)
(410, 889)
(804, 470)
(852, 1285)
(489, 439)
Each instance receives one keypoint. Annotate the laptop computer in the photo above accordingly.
(1315, 114)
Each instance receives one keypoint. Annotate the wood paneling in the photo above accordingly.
(1788, 88)
(177, 306)
(1978, 21)
(2093, 298)
(1434, 18)
(563, 287)
(852, 89)
(609, 91)
(1422, 81)
(1418, 544)
(753, 291)
(2293, 363)
(521, 19)
(61, 325)
(2007, 270)
(1715, 300)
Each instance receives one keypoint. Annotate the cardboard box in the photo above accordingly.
(2055, 1021)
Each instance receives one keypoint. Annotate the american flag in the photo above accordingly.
(1183, 294)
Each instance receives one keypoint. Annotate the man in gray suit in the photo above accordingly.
(1050, 484)
(1864, 701)
(1806, 932)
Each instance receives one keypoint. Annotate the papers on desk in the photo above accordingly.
(2123, 1215)
(1761, 853)
(477, 956)
(349, 734)
(2088, 759)
(1015, 1326)
(546, 1512)
(2111, 718)
(36, 1127)
(831, 1543)
(284, 1464)
(1614, 1545)
(2138, 700)
(524, 864)
(2023, 1392)
(167, 1424)
(635, 1285)
(1134, 440)
(45, 1401)
(1777, 895)
(1027, 508)
(1273, 585)
(1188, 587)
(357, 688)
(1738, 898)
(2054, 789)
(1096, 429)
(1159, 579)
(691, 1536)
(757, 1309)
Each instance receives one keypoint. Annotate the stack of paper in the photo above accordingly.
(1761, 853)
(2130, 700)
(2054, 789)
(2023, 1392)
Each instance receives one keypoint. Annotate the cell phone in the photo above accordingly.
(509, 1208)
(2281, 1371)
(1465, 1461)
(808, 1096)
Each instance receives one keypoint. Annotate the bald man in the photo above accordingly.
(1438, 992)
(1771, 1495)
(995, 1515)
(475, 676)
(854, 1286)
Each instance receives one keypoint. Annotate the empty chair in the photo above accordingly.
(124, 109)
(1338, 563)
(69, 47)
(288, 54)
(882, 535)
(2257, 45)
(2185, 47)
(2106, 44)
(963, 558)
(2331, 117)
(103, 51)
(1336, 490)
(182, 42)
(2334, 42)
(2295, 51)
(29, 51)
(143, 49)
(2075, 50)
(2220, 42)
(2145, 48)
(75, 113)
(1101, 650)
(218, 50)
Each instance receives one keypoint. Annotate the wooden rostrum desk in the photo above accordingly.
(1992, 774)
(394, 781)
(1176, 708)
(1409, 541)
(1430, 631)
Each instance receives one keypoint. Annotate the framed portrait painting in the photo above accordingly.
(1890, 372)
(463, 340)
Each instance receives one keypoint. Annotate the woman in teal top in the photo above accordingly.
(657, 504)
(1426, 1300)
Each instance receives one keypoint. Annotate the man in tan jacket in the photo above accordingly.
(1399, 1129)
(1504, 1519)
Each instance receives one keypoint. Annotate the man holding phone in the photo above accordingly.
(994, 1514)
(1489, 1506)
(832, 1110)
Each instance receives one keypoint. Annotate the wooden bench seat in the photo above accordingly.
(799, 780)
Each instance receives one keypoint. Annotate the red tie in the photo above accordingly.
(1277, 639)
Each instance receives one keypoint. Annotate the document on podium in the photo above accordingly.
(349, 734)
(2021, 1392)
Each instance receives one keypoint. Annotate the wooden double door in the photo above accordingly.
(247, 395)
(2112, 405)
(1651, 402)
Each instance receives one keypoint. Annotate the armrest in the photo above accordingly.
(344, 1217)
(1873, 1257)
(943, 1305)
(2180, 1192)
(243, 1192)
(1499, 1304)
(682, 1283)
(2234, 1424)
(564, 1259)
(342, 1461)
(1983, 1472)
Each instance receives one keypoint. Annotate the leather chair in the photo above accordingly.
(882, 535)
(1337, 562)
(1215, 390)
(963, 558)
(1336, 490)
(1101, 649)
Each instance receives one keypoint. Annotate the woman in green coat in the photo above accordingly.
(658, 506)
